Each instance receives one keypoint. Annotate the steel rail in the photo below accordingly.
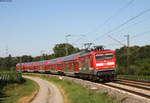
(139, 86)
(145, 83)
(130, 91)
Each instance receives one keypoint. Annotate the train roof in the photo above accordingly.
(72, 56)
(65, 58)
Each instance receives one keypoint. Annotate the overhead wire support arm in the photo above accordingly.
(116, 40)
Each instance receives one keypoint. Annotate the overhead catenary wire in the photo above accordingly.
(112, 16)
(79, 38)
(126, 22)
(132, 37)
(116, 40)
(108, 19)
(141, 34)
(133, 25)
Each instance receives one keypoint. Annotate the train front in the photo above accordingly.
(105, 64)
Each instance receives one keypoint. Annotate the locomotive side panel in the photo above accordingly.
(86, 64)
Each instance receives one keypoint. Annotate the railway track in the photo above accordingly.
(145, 83)
(134, 85)
(140, 88)
(137, 88)
(128, 90)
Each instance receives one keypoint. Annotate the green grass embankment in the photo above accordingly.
(76, 93)
(18, 92)
(135, 77)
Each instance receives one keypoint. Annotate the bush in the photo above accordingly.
(139, 60)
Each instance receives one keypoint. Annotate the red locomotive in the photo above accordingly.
(95, 64)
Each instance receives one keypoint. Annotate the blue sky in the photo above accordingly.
(33, 27)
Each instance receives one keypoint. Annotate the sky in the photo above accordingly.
(33, 27)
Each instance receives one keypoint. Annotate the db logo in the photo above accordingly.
(105, 63)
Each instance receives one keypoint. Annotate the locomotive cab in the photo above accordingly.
(105, 64)
(105, 60)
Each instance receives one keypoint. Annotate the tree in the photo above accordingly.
(26, 58)
(64, 49)
(139, 60)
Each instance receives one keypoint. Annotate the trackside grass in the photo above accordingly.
(135, 77)
(12, 93)
(78, 94)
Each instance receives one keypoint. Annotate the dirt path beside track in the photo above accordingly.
(48, 92)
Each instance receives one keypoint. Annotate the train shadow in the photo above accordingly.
(103, 82)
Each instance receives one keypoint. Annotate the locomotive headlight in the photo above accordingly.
(110, 63)
(99, 64)
(105, 64)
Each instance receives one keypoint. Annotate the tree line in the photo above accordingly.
(138, 62)
(134, 62)
(9, 63)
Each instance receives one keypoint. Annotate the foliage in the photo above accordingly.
(138, 62)
(64, 49)
(9, 78)
(135, 77)
(12, 93)
(8, 63)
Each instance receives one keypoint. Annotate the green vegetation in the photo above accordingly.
(138, 63)
(11, 93)
(77, 93)
(13, 87)
(9, 78)
(9, 63)
(60, 49)
(135, 77)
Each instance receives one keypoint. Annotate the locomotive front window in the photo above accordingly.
(104, 56)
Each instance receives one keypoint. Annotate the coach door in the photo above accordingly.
(75, 66)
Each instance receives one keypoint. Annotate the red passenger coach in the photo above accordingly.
(36, 66)
(71, 63)
(53, 66)
(59, 65)
(19, 67)
(47, 65)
